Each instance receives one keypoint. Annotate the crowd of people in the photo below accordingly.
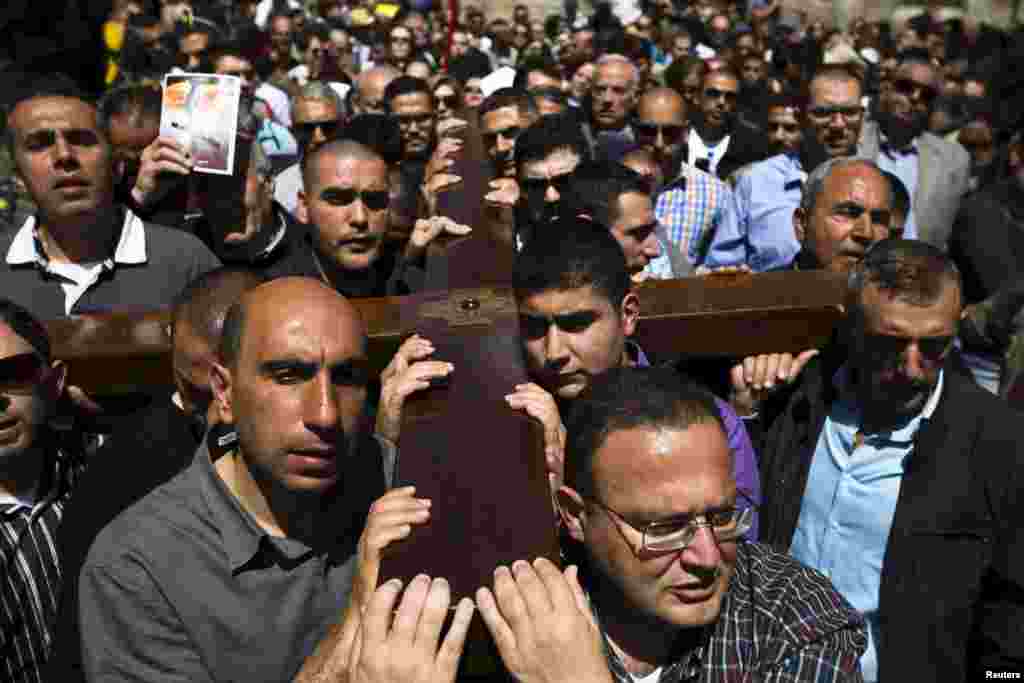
(840, 514)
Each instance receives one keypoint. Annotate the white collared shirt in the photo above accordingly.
(699, 150)
(77, 278)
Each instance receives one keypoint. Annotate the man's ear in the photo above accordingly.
(221, 384)
(302, 209)
(573, 512)
(800, 224)
(630, 313)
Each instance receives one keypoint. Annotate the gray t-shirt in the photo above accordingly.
(185, 586)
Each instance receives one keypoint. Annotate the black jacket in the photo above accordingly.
(987, 241)
(952, 586)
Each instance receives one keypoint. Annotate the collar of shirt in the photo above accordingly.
(701, 150)
(130, 250)
(10, 505)
(636, 355)
(56, 481)
(891, 151)
(843, 383)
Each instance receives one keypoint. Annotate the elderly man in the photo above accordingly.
(260, 569)
(757, 228)
(38, 468)
(317, 116)
(613, 94)
(692, 204)
(672, 591)
(81, 251)
(935, 172)
(879, 471)
(368, 92)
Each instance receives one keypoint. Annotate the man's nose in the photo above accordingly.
(703, 556)
(360, 217)
(551, 195)
(505, 144)
(321, 403)
(64, 152)
(318, 137)
(554, 346)
(913, 366)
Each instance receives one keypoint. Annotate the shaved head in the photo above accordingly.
(662, 98)
(341, 149)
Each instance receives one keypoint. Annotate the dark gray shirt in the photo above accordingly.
(185, 586)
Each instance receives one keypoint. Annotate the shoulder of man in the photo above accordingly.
(791, 604)
(952, 152)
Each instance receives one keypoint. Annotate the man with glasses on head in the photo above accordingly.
(691, 205)
(38, 470)
(935, 172)
(757, 228)
(900, 479)
(672, 590)
(317, 116)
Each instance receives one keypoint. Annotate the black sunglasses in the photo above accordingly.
(887, 347)
(306, 131)
(908, 88)
(21, 373)
(374, 200)
(715, 93)
(537, 186)
(847, 113)
(450, 101)
(649, 131)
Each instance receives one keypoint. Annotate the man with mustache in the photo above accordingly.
(81, 251)
(935, 172)
(757, 226)
(897, 477)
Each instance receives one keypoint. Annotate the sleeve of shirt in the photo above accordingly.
(130, 632)
(744, 459)
(835, 659)
(729, 245)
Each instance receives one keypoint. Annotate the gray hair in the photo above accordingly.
(318, 90)
(816, 180)
(616, 58)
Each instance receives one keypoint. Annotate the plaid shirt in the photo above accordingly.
(690, 209)
(30, 573)
(780, 622)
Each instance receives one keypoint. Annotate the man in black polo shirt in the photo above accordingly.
(81, 252)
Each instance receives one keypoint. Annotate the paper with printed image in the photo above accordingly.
(200, 111)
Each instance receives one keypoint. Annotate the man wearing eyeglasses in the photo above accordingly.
(673, 592)
(38, 468)
(900, 479)
(757, 225)
(935, 172)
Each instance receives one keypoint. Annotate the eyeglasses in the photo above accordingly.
(676, 534)
(886, 347)
(374, 200)
(305, 131)
(826, 113)
(538, 186)
(21, 373)
(715, 93)
(649, 131)
(450, 101)
(911, 89)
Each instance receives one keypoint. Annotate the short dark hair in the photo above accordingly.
(508, 97)
(596, 186)
(630, 398)
(912, 271)
(380, 133)
(229, 48)
(407, 85)
(204, 302)
(548, 134)
(141, 101)
(571, 253)
(27, 326)
(230, 346)
(29, 86)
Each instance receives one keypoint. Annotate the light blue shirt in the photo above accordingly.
(903, 165)
(849, 503)
(757, 225)
(276, 139)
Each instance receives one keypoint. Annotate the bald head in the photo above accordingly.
(665, 101)
(370, 87)
(338, 150)
(284, 305)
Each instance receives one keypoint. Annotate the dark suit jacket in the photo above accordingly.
(952, 587)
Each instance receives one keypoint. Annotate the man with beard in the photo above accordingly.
(690, 206)
(935, 172)
(547, 153)
(898, 478)
(411, 102)
(757, 228)
(715, 143)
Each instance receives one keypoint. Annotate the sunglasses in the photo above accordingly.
(374, 200)
(649, 131)
(908, 88)
(21, 373)
(538, 186)
(887, 347)
(715, 93)
(306, 131)
(450, 101)
(847, 113)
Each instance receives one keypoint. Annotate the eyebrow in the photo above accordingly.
(562, 320)
(276, 365)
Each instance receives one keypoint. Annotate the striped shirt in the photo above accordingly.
(780, 622)
(30, 580)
